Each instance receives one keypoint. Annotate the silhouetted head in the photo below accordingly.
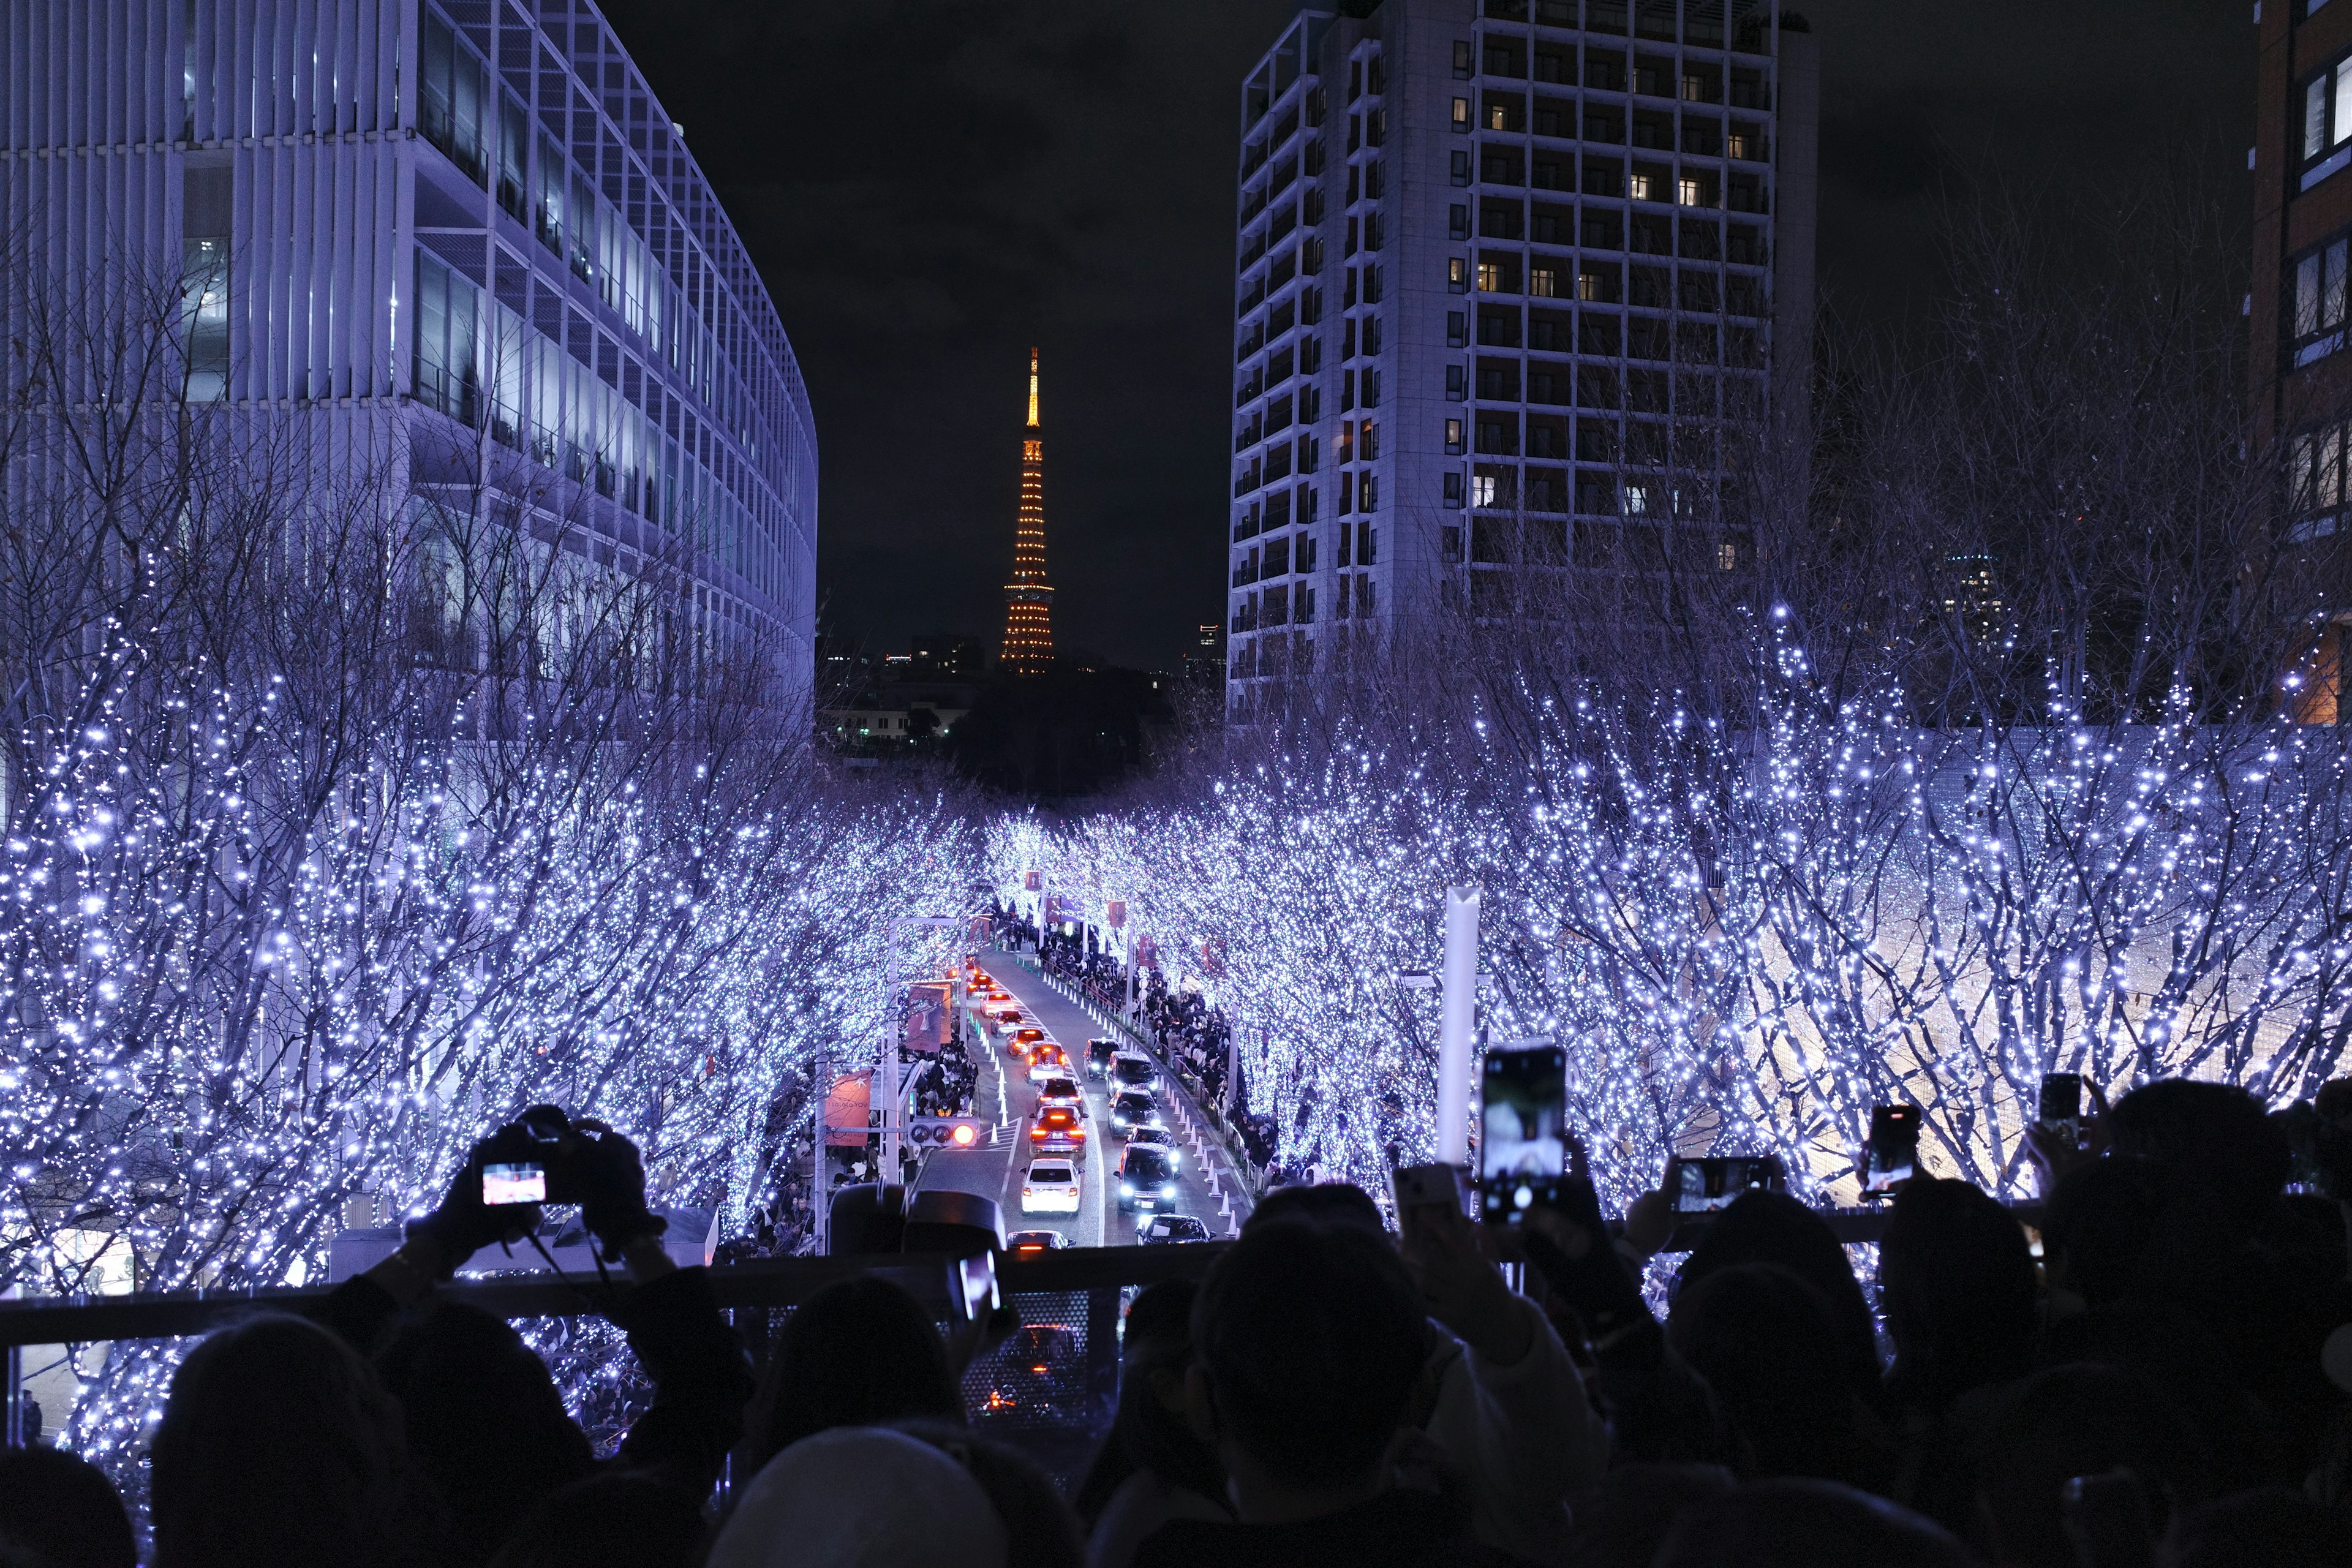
(1808, 1524)
(2100, 1223)
(278, 1444)
(61, 1510)
(2271, 1528)
(1955, 1276)
(486, 1421)
(1311, 1338)
(1319, 1203)
(1040, 1531)
(859, 1353)
(1767, 1345)
(2231, 1159)
(1764, 1226)
(1626, 1521)
(2072, 1421)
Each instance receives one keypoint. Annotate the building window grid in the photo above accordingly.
(1574, 93)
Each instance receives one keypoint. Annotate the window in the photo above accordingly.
(1638, 187)
(1458, 222)
(1482, 490)
(1543, 280)
(1498, 117)
(1694, 90)
(1457, 332)
(1462, 59)
(1457, 275)
(452, 89)
(1637, 500)
(1726, 556)
(1368, 551)
(1367, 446)
(1453, 437)
(205, 227)
(1369, 387)
(1688, 192)
(1454, 485)
(2317, 328)
(445, 305)
(1367, 493)
(1462, 116)
(2326, 121)
(1461, 168)
(1590, 286)
(2316, 480)
(1457, 383)
(1490, 278)
(514, 157)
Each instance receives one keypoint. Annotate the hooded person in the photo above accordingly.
(861, 1496)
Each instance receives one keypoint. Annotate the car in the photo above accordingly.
(1030, 1243)
(1037, 1374)
(1133, 1108)
(1155, 1134)
(1134, 1069)
(1028, 1034)
(1160, 1229)
(1048, 1060)
(1050, 1187)
(1058, 1087)
(1098, 1054)
(1056, 1127)
(1146, 1180)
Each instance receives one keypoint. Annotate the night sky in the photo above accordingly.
(929, 186)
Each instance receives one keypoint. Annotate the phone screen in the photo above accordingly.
(513, 1184)
(2062, 1100)
(1523, 1148)
(980, 1296)
(1893, 1152)
(1699, 1186)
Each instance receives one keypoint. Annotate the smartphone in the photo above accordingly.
(1523, 1143)
(2062, 1105)
(513, 1184)
(1700, 1187)
(1416, 1186)
(979, 1293)
(1893, 1155)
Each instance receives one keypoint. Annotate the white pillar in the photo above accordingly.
(1457, 1015)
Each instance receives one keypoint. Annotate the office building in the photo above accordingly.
(1518, 281)
(458, 236)
(1029, 598)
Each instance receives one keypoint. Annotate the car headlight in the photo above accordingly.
(1168, 1190)
(1127, 1189)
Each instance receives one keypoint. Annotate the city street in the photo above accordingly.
(1004, 1093)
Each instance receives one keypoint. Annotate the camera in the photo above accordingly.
(532, 1160)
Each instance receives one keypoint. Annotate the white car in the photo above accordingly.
(1044, 1065)
(1050, 1187)
(1060, 1088)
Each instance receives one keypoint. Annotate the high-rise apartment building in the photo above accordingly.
(1029, 598)
(460, 236)
(1514, 278)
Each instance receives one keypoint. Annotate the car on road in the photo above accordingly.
(1133, 1070)
(1057, 1128)
(1046, 1060)
(1154, 1132)
(1050, 1187)
(1059, 1088)
(1146, 1179)
(1037, 1374)
(1133, 1108)
(1158, 1230)
(1098, 1054)
(1030, 1243)
(1027, 1034)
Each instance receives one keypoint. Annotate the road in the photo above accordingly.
(1097, 1222)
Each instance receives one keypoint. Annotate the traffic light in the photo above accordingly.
(946, 1132)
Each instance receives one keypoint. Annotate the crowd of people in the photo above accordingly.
(2165, 1386)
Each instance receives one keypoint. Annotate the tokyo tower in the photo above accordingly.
(1029, 598)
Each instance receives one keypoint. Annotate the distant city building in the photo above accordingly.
(449, 246)
(2302, 376)
(1029, 598)
(950, 657)
(1512, 275)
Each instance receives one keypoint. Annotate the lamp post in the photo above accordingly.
(1456, 1019)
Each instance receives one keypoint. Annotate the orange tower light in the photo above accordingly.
(1029, 598)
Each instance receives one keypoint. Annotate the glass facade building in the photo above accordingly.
(470, 215)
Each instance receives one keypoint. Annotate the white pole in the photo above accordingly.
(1457, 1013)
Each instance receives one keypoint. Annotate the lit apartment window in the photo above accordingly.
(1544, 280)
(1726, 556)
(2327, 122)
(1497, 117)
(1462, 115)
(1453, 437)
(1490, 276)
(1462, 59)
(1687, 193)
(1638, 187)
(1694, 90)
(1482, 490)
(1637, 500)
(1589, 286)
(1457, 274)
(2317, 327)
(1739, 144)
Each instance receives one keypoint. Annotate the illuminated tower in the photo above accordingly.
(1029, 598)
